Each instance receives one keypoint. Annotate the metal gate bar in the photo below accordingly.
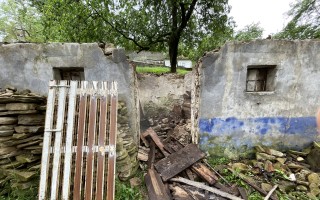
(112, 143)
(101, 145)
(80, 141)
(83, 167)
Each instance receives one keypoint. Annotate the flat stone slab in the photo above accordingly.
(3, 140)
(21, 106)
(27, 158)
(23, 175)
(6, 133)
(31, 143)
(31, 119)
(8, 120)
(29, 129)
(21, 98)
(6, 150)
(6, 127)
(2, 107)
(20, 136)
(18, 112)
(36, 138)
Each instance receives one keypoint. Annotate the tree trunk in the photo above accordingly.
(173, 53)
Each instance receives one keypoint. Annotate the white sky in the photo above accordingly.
(269, 13)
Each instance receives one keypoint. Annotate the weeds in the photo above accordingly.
(125, 192)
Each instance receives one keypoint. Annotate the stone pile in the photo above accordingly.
(177, 124)
(22, 116)
(295, 172)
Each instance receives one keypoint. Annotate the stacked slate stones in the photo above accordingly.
(22, 116)
(127, 149)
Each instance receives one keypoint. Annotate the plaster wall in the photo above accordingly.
(231, 120)
(30, 66)
(159, 94)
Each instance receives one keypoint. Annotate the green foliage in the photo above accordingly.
(249, 32)
(125, 192)
(255, 196)
(136, 24)
(158, 70)
(216, 160)
(305, 21)
(17, 194)
(10, 192)
(20, 22)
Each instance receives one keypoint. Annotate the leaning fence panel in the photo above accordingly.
(79, 145)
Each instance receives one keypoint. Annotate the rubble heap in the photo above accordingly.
(180, 171)
(177, 123)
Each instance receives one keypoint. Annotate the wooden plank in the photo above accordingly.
(205, 187)
(90, 141)
(112, 142)
(69, 140)
(55, 178)
(179, 161)
(47, 142)
(155, 187)
(150, 132)
(205, 173)
(80, 141)
(101, 143)
(151, 155)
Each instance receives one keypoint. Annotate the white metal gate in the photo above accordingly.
(79, 145)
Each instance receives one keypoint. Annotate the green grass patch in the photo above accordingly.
(159, 70)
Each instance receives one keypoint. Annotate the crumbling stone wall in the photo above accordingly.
(232, 118)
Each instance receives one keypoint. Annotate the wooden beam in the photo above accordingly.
(179, 161)
(205, 173)
(155, 186)
(151, 155)
(150, 132)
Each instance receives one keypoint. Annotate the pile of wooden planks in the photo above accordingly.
(176, 171)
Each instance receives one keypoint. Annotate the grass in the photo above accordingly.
(123, 191)
(159, 70)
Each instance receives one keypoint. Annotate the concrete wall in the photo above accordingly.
(232, 120)
(30, 66)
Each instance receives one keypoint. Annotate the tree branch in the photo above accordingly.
(186, 18)
(141, 47)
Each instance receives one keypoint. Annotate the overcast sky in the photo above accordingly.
(269, 13)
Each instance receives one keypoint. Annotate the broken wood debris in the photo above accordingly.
(178, 160)
(205, 187)
(156, 188)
